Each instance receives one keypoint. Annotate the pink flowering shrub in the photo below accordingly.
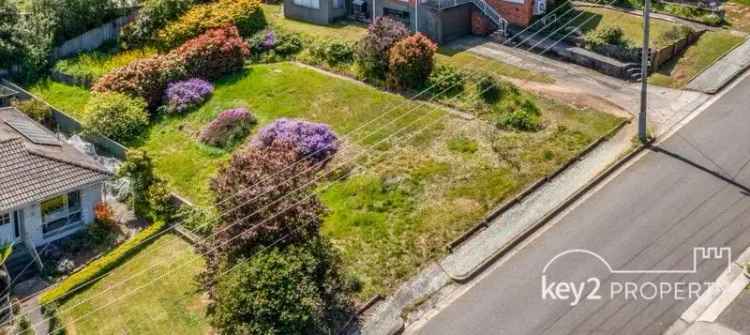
(228, 128)
(315, 141)
(181, 96)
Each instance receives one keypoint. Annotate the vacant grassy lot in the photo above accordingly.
(431, 187)
(632, 25)
(98, 63)
(350, 31)
(69, 99)
(169, 306)
(698, 57)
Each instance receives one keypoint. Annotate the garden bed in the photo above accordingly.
(171, 305)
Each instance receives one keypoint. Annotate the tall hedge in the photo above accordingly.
(246, 15)
(410, 62)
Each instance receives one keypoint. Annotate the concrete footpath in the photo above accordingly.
(723, 71)
(723, 308)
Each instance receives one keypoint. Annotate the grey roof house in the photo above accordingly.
(48, 189)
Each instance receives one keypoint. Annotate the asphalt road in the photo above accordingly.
(690, 191)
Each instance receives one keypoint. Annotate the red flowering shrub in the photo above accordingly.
(209, 56)
(371, 52)
(103, 213)
(410, 62)
(213, 54)
(144, 78)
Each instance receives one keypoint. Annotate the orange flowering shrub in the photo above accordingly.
(246, 15)
(410, 62)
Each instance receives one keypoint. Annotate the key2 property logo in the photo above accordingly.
(574, 292)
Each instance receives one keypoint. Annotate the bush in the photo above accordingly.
(212, 54)
(229, 128)
(246, 15)
(153, 15)
(606, 35)
(35, 109)
(447, 80)
(489, 89)
(313, 141)
(525, 116)
(332, 52)
(103, 231)
(160, 202)
(115, 115)
(182, 96)
(292, 290)
(264, 195)
(144, 78)
(139, 170)
(371, 53)
(200, 221)
(410, 62)
(101, 265)
(268, 45)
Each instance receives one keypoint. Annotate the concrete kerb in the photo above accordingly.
(735, 73)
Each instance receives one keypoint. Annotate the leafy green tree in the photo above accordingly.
(296, 289)
(11, 45)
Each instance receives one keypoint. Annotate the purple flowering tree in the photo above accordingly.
(314, 141)
(181, 96)
(228, 128)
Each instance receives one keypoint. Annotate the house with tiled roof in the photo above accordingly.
(48, 188)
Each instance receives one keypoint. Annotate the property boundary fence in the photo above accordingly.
(93, 38)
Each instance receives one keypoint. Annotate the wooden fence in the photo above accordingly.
(661, 56)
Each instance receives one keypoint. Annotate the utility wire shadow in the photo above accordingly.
(743, 189)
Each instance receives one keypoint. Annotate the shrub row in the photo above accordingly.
(153, 16)
(246, 15)
(102, 265)
(209, 56)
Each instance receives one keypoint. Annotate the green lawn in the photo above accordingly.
(350, 31)
(169, 306)
(698, 57)
(632, 25)
(69, 99)
(473, 62)
(98, 63)
(401, 214)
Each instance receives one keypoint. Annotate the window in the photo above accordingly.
(308, 3)
(53, 206)
(61, 211)
(338, 3)
(4, 219)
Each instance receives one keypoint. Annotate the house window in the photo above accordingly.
(338, 3)
(61, 211)
(308, 3)
(4, 219)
